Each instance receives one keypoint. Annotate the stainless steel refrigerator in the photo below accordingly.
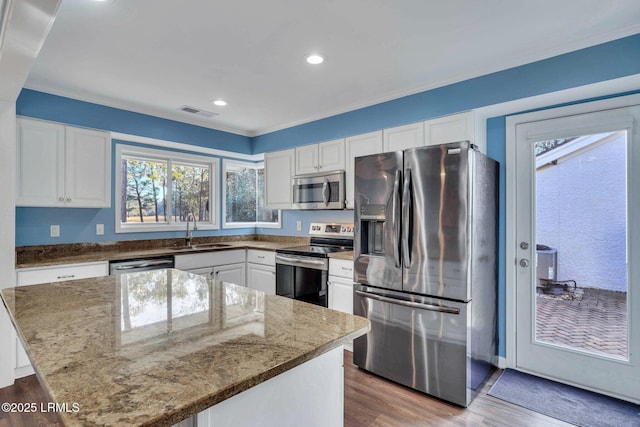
(425, 267)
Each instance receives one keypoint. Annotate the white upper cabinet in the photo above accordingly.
(403, 137)
(323, 157)
(278, 169)
(62, 166)
(356, 146)
(453, 128)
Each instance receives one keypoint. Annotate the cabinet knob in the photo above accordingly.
(61, 199)
(68, 199)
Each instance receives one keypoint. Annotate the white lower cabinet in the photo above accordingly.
(228, 266)
(340, 286)
(232, 273)
(341, 294)
(33, 276)
(262, 278)
(261, 271)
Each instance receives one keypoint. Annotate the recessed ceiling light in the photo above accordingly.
(220, 102)
(315, 59)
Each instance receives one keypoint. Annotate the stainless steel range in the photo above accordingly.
(302, 271)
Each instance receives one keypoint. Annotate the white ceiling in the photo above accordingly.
(155, 56)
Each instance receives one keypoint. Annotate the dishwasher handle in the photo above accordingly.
(412, 304)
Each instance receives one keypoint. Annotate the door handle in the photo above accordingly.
(524, 263)
(395, 211)
(406, 217)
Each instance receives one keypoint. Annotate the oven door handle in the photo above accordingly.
(302, 262)
(420, 306)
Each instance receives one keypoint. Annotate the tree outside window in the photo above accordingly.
(245, 196)
(158, 189)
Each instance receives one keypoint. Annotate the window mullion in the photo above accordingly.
(169, 205)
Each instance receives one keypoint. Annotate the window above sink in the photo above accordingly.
(157, 189)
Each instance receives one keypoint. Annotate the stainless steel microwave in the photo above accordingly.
(319, 191)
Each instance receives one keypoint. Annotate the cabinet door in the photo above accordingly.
(278, 169)
(331, 156)
(356, 146)
(262, 277)
(403, 137)
(232, 273)
(206, 271)
(87, 168)
(307, 159)
(453, 128)
(40, 160)
(341, 294)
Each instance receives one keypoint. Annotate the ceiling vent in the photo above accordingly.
(197, 111)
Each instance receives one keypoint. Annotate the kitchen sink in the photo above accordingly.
(210, 245)
(202, 246)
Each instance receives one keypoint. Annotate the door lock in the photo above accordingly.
(524, 245)
(524, 262)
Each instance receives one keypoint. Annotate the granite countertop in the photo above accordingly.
(348, 255)
(50, 255)
(156, 347)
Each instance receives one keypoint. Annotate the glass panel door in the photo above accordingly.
(577, 194)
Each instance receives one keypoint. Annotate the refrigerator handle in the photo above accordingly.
(396, 218)
(406, 218)
(418, 305)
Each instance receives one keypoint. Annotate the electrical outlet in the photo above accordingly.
(299, 225)
(99, 229)
(54, 231)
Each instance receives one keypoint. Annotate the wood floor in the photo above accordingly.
(369, 401)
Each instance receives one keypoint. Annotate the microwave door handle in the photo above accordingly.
(326, 191)
(395, 211)
(406, 218)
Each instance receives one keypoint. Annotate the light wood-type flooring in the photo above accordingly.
(369, 401)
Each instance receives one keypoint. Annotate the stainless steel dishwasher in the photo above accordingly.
(140, 264)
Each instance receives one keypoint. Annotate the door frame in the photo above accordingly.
(511, 192)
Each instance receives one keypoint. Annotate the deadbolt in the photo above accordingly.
(524, 262)
(524, 245)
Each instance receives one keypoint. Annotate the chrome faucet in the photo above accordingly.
(188, 236)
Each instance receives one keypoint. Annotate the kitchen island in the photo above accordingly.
(159, 347)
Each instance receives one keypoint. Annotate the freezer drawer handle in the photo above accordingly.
(430, 307)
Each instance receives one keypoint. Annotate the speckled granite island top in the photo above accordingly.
(156, 347)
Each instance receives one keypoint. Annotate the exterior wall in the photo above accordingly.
(581, 212)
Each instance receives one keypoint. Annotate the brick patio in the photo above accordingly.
(589, 319)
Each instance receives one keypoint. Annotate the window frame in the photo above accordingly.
(171, 157)
(256, 224)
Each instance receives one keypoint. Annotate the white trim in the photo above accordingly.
(223, 215)
(510, 194)
(186, 147)
(212, 162)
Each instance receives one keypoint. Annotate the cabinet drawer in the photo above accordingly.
(31, 276)
(261, 257)
(209, 259)
(341, 268)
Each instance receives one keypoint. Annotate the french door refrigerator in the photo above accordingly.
(425, 267)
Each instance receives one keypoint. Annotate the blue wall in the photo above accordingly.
(607, 61)
(595, 64)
